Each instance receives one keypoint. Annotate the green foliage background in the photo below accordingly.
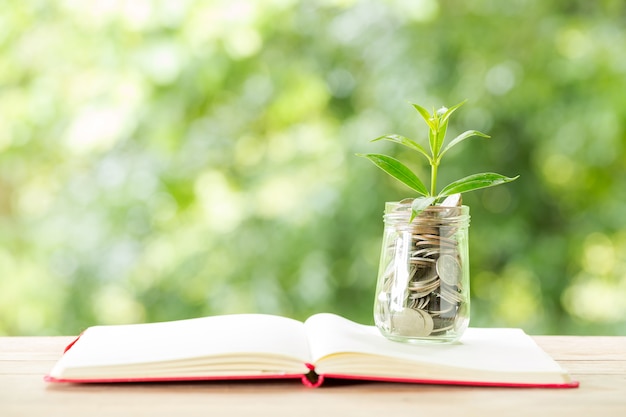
(162, 159)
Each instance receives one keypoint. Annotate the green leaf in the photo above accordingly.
(451, 110)
(397, 170)
(441, 127)
(425, 115)
(475, 182)
(432, 139)
(419, 205)
(462, 137)
(441, 135)
(406, 142)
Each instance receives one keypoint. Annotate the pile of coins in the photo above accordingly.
(423, 285)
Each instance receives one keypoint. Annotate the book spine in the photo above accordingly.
(311, 379)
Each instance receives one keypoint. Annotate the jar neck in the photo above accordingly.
(400, 213)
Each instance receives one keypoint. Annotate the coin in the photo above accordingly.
(418, 303)
(424, 272)
(421, 261)
(439, 306)
(449, 269)
(422, 289)
(425, 252)
(454, 200)
(428, 322)
(443, 323)
(450, 295)
(426, 286)
(443, 310)
(423, 303)
(409, 322)
(423, 267)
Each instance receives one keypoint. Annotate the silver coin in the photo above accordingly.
(429, 324)
(409, 322)
(421, 289)
(425, 277)
(426, 252)
(421, 286)
(450, 295)
(423, 303)
(421, 261)
(454, 200)
(443, 322)
(442, 310)
(423, 272)
(436, 241)
(449, 269)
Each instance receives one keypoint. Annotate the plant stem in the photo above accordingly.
(433, 178)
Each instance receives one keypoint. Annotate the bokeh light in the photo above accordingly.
(163, 159)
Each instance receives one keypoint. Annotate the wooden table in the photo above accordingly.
(599, 363)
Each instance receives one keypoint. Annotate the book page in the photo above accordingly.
(339, 345)
(246, 337)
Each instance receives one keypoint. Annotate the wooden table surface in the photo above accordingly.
(599, 363)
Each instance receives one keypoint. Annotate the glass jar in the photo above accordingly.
(422, 293)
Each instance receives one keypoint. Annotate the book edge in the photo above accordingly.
(52, 379)
(565, 384)
(314, 382)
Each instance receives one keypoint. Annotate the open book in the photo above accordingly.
(258, 346)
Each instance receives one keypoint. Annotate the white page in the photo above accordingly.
(176, 340)
(500, 350)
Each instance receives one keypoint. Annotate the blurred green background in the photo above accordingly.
(162, 160)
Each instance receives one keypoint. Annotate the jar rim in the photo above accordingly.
(399, 211)
(406, 205)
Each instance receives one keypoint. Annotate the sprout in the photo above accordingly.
(438, 124)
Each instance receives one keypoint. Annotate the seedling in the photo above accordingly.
(438, 125)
